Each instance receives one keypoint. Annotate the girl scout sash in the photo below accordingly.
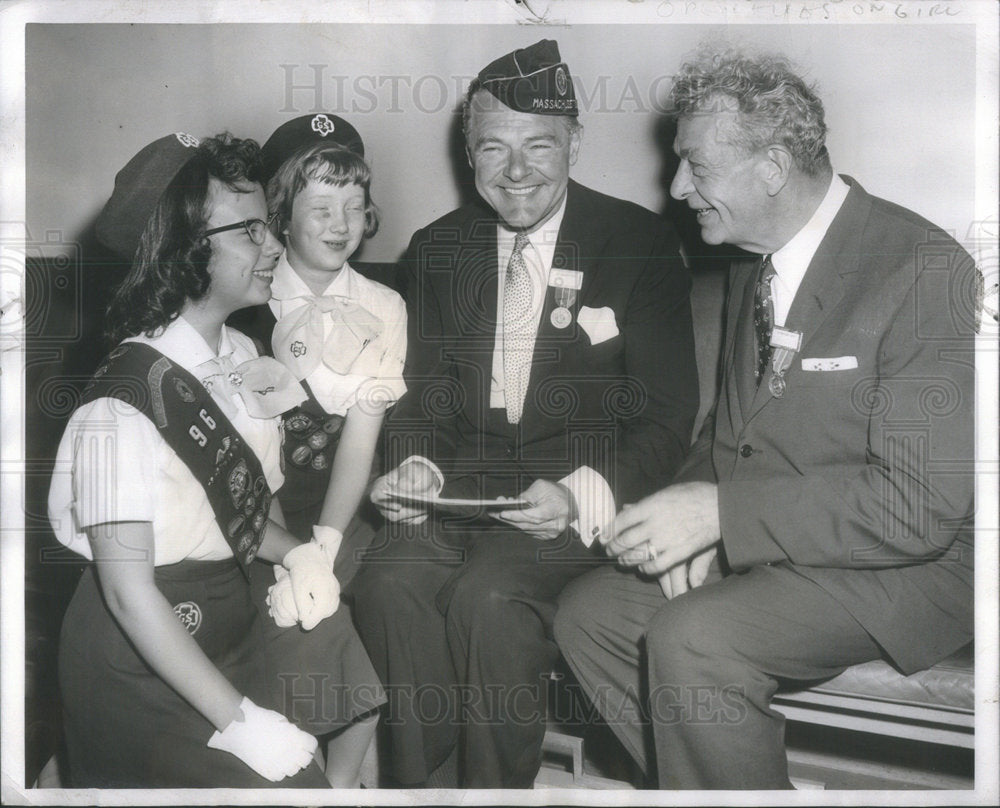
(195, 427)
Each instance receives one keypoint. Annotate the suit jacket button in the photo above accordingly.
(558, 260)
(746, 450)
(509, 450)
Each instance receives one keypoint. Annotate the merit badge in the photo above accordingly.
(189, 613)
(317, 440)
(239, 483)
(301, 455)
(319, 462)
(235, 525)
(298, 423)
(184, 391)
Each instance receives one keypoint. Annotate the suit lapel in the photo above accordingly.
(741, 312)
(824, 283)
(575, 239)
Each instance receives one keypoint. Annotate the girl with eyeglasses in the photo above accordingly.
(163, 479)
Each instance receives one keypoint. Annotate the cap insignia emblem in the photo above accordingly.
(561, 80)
(323, 125)
(186, 140)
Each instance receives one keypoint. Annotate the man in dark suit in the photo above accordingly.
(834, 481)
(550, 358)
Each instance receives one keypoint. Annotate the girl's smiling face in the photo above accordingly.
(325, 228)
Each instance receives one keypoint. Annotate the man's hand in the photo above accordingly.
(409, 477)
(667, 528)
(549, 514)
(685, 576)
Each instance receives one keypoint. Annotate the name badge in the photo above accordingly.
(566, 278)
(783, 338)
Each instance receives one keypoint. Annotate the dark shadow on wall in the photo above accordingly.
(65, 301)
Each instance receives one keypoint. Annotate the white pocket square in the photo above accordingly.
(830, 363)
(599, 323)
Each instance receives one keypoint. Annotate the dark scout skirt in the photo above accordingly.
(320, 679)
(125, 727)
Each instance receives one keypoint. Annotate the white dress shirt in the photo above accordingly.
(113, 465)
(792, 260)
(594, 499)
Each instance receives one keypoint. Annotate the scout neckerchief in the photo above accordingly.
(194, 426)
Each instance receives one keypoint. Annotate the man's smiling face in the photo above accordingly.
(719, 182)
(521, 161)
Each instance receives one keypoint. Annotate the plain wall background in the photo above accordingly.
(900, 104)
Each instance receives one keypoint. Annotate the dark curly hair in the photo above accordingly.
(775, 104)
(171, 263)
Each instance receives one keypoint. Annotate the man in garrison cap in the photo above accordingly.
(550, 360)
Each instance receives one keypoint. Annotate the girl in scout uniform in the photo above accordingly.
(164, 478)
(344, 337)
(342, 334)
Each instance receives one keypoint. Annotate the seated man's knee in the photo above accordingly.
(681, 630)
(574, 618)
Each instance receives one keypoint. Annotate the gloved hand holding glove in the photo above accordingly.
(306, 590)
(266, 741)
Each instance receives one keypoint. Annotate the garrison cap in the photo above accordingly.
(532, 79)
(138, 188)
(307, 130)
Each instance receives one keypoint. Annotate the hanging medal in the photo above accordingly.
(784, 344)
(566, 283)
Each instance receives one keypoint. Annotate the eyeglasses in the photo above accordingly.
(256, 228)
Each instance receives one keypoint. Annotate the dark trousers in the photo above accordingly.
(688, 682)
(457, 620)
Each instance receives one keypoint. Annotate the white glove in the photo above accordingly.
(266, 741)
(315, 591)
(280, 600)
(329, 540)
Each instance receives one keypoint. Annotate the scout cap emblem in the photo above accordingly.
(323, 125)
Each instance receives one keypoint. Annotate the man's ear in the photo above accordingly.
(574, 145)
(775, 168)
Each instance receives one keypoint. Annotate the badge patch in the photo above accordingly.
(189, 613)
(185, 392)
(323, 125)
(239, 483)
(187, 140)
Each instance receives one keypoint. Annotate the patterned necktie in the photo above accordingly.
(517, 330)
(763, 316)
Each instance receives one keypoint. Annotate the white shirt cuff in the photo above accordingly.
(595, 504)
(428, 464)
